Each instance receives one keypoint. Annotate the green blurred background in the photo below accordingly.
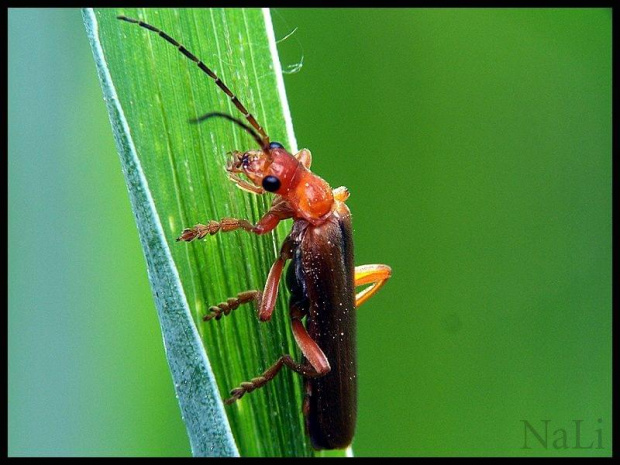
(477, 148)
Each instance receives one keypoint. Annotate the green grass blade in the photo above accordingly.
(159, 91)
(203, 412)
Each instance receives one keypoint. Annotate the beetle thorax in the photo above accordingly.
(312, 198)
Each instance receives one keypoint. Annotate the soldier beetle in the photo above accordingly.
(322, 276)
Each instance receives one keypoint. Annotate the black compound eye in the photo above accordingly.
(276, 145)
(271, 183)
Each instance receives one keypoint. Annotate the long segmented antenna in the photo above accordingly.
(264, 141)
(238, 122)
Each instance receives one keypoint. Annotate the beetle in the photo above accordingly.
(321, 277)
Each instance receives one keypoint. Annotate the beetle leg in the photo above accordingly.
(224, 308)
(270, 293)
(310, 349)
(305, 158)
(279, 211)
(245, 185)
(317, 364)
(299, 310)
(341, 193)
(266, 300)
(212, 227)
(376, 275)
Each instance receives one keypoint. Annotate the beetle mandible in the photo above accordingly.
(322, 276)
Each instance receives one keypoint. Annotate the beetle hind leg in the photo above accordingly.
(375, 275)
(316, 365)
(258, 382)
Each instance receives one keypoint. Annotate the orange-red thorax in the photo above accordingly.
(308, 195)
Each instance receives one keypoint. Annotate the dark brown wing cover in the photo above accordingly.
(327, 265)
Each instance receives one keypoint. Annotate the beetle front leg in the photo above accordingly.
(304, 157)
(280, 210)
(200, 231)
(376, 275)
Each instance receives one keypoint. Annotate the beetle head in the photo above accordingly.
(270, 170)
